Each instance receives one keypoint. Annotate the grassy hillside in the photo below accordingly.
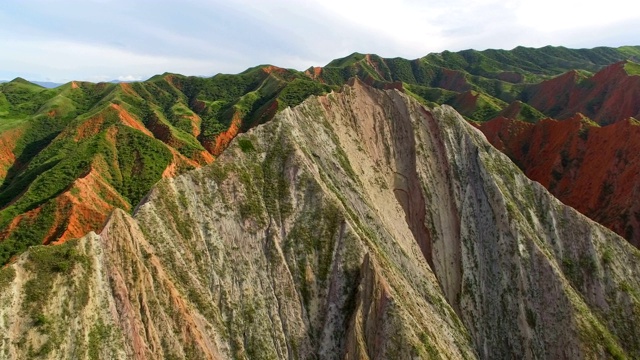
(71, 154)
(501, 76)
(112, 142)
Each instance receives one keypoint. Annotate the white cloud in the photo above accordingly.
(129, 78)
(204, 37)
(553, 16)
(69, 60)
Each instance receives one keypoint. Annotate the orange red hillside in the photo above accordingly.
(594, 169)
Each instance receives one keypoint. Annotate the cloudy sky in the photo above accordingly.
(99, 40)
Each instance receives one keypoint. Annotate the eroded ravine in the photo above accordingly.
(299, 242)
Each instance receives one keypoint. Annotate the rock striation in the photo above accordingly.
(357, 225)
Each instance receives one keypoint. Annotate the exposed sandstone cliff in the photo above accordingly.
(359, 225)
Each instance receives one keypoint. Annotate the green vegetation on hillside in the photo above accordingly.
(529, 113)
(67, 131)
(141, 163)
(632, 68)
(298, 90)
(127, 133)
(499, 76)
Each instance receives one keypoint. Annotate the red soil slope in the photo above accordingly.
(84, 204)
(513, 110)
(610, 95)
(453, 80)
(223, 139)
(129, 120)
(8, 140)
(594, 169)
(87, 203)
(82, 208)
(315, 73)
(466, 103)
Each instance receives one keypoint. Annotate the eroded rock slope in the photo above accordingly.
(591, 168)
(358, 225)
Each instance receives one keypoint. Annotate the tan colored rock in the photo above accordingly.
(359, 225)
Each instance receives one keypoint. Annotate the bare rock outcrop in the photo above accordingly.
(358, 225)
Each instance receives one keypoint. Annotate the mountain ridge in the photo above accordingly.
(304, 239)
(171, 123)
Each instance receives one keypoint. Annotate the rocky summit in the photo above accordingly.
(357, 225)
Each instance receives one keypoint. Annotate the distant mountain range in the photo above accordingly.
(110, 142)
(53, 85)
(47, 84)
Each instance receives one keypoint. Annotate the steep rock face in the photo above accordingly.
(56, 302)
(359, 225)
(593, 169)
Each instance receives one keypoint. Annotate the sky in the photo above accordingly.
(126, 40)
